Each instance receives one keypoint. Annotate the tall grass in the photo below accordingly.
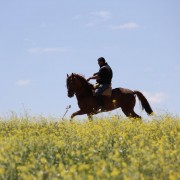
(108, 148)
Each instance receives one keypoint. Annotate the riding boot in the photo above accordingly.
(100, 103)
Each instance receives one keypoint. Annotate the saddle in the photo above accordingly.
(107, 92)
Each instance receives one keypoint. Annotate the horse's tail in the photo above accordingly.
(144, 102)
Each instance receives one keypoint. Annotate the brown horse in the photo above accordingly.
(121, 97)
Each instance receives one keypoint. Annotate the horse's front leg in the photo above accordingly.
(80, 112)
(90, 117)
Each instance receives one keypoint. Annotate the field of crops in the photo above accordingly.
(108, 148)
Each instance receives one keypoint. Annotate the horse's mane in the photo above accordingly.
(82, 79)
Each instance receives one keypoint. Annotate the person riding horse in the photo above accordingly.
(103, 78)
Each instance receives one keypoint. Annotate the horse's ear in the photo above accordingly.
(67, 75)
(72, 75)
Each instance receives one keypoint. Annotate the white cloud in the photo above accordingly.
(96, 18)
(46, 50)
(104, 15)
(130, 25)
(25, 82)
(155, 98)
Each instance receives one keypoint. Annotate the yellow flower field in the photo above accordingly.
(108, 148)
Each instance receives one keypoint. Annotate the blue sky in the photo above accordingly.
(42, 40)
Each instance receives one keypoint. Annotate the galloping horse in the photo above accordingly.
(120, 98)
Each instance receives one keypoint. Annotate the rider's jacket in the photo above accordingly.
(105, 74)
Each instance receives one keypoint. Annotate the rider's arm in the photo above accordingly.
(95, 76)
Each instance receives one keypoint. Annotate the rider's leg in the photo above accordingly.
(98, 93)
(100, 101)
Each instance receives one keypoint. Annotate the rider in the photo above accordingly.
(103, 78)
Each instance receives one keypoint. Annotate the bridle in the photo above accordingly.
(72, 89)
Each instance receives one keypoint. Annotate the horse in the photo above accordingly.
(120, 98)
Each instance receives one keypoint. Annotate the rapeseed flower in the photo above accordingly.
(108, 148)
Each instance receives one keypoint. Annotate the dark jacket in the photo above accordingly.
(105, 74)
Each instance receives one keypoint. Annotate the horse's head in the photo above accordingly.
(74, 83)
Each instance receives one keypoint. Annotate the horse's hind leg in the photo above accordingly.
(134, 115)
(128, 108)
(130, 113)
(126, 112)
